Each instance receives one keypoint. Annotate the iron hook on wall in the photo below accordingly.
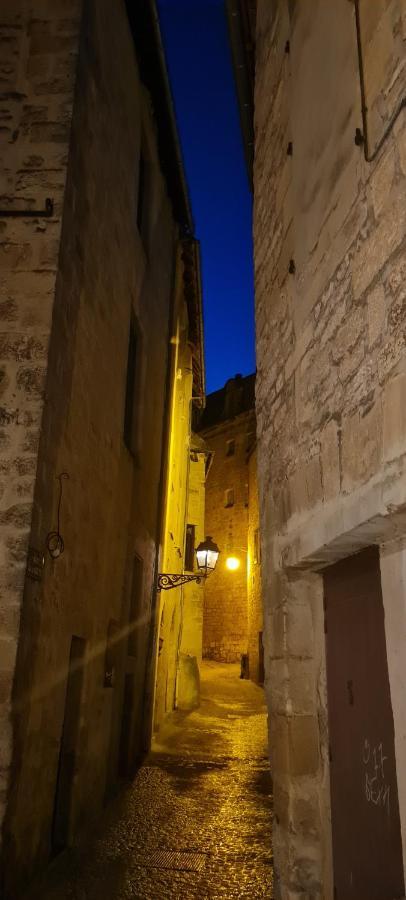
(54, 540)
(45, 213)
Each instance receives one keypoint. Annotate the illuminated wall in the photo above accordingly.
(232, 617)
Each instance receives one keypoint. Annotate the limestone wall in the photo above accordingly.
(39, 45)
(225, 617)
(107, 273)
(329, 228)
(254, 581)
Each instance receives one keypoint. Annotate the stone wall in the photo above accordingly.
(107, 273)
(39, 44)
(225, 618)
(329, 229)
(254, 580)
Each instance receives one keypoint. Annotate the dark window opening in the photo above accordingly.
(229, 497)
(190, 548)
(230, 451)
(129, 409)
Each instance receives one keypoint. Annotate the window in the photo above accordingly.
(229, 497)
(257, 547)
(230, 448)
(190, 548)
(130, 389)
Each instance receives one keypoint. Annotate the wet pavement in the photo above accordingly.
(196, 821)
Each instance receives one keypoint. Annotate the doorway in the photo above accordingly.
(62, 817)
(367, 848)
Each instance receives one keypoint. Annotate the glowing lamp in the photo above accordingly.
(232, 563)
(207, 554)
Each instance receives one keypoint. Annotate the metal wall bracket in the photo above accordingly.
(29, 213)
(166, 582)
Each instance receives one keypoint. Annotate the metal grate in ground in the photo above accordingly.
(176, 860)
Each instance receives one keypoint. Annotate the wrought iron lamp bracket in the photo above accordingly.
(168, 581)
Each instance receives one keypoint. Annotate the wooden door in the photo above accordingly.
(367, 849)
(125, 759)
(68, 748)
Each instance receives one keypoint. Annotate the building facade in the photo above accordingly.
(179, 612)
(329, 234)
(95, 287)
(232, 615)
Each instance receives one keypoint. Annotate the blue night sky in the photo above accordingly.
(199, 62)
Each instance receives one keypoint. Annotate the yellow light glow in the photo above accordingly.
(232, 563)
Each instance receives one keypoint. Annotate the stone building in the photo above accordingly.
(179, 616)
(97, 278)
(329, 233)
(232, 615)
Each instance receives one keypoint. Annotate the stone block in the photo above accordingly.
(303, 745)
(281, 803)
(394, 418)
(378, 247)
(361, 446)
(376, 311)
(301, 687)
(313, 481)
(300, 637)
(278, 641)
(297, 490)
(278, 680)
(279, 742)
(330, 460)
(401, 142)
(14, 256)
(382, 180)
(305, 815)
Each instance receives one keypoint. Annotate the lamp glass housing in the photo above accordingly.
(207, 554)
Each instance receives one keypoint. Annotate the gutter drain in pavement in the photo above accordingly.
(178, 860)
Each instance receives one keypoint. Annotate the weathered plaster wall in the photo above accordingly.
(225, 618)
(39, 44)
(254, 582)
(109, 507)
(331, 366)
(191, 637)
(171, 602)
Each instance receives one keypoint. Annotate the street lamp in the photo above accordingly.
(207, 554)
(232, 563)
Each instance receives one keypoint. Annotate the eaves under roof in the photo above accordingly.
(146, 32)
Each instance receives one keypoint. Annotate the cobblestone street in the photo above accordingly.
(196, 821)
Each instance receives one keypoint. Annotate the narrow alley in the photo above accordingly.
(196, 821)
